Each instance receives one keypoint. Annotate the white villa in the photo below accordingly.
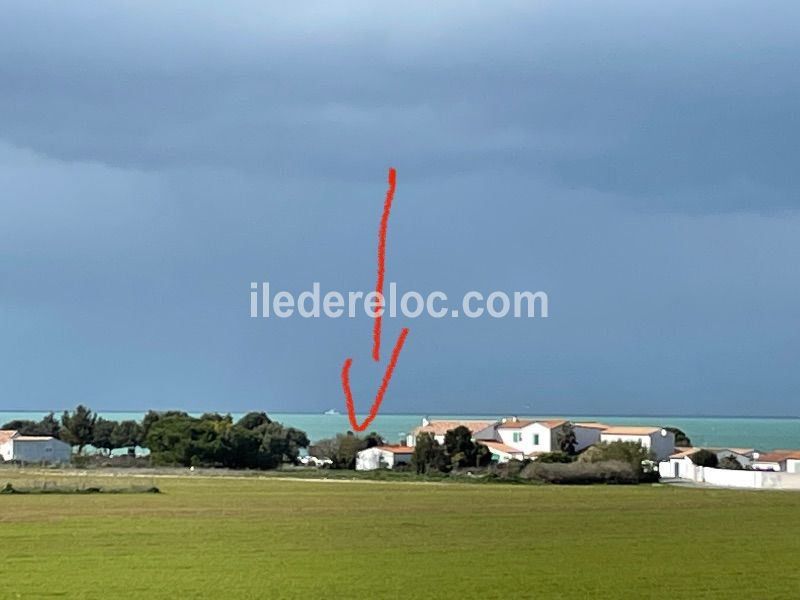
(516, 439)
(659, 441)
(33, 449)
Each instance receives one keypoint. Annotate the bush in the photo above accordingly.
(730, 462)
(705, 458)
(554, 457)
(507, 470)
(582, 473)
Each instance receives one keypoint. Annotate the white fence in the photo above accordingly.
(758, 480)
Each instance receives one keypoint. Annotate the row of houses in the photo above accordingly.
(680, 464)
(513, 438)
(32, 448)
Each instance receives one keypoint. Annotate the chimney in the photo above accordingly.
(514, 418)
(425, 421)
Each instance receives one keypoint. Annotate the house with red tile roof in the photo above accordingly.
(439, 427)
(660, 441)
(777, 460)
(383, 457)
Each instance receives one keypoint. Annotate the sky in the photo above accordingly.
(635, 161)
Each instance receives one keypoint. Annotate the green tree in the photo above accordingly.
(254, 420)
(184, 440)
(77, 428)
(127, 434)
(151, 417)
(48, 426)
(460, 447)
(681, 439)
(102, 435)
(430, 456)
(566, 440)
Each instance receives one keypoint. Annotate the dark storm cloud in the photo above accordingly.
(634, 160)
(653, 103)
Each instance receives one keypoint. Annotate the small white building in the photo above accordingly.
(33, 449)
(777, 460)
(502, 452)
(383, 457)
(659, 441)
(680, 464)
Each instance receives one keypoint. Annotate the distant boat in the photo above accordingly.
(331, 411)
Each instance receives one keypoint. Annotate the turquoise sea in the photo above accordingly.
(743, 432)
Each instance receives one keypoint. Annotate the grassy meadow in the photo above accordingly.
(215, 537)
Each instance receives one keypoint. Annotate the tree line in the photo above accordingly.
(175, 438)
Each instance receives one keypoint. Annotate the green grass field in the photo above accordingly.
(272, 538)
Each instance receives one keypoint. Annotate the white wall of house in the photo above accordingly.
(759, 465)
(793, 465)
(39, 450)
(660, 445)
(7, 450)
(677, 467)
(378, 458)
(586, 436)
(534, 437)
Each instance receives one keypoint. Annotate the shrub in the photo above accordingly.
(730, 462)
(705, 458)
(554, 457)
(582, 473)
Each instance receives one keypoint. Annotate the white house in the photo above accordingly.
(383, 457)
(33, 449)
(680, 464)
(656, 439)
(777, 460)
(517, 439)
(502, 452)
(478, 429)
(529, 437)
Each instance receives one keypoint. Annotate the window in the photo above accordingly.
(535, 439)
(517, 437)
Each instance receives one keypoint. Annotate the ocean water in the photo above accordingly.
(741, 432)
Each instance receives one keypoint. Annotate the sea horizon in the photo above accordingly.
(742, 431)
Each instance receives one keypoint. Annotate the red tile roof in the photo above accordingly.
(442, 427)
(631, 430)
(778, 456)
(520, 423)
(6, 434)
(500, 447)
(397, 449)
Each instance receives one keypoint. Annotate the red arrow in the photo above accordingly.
(376, 330)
